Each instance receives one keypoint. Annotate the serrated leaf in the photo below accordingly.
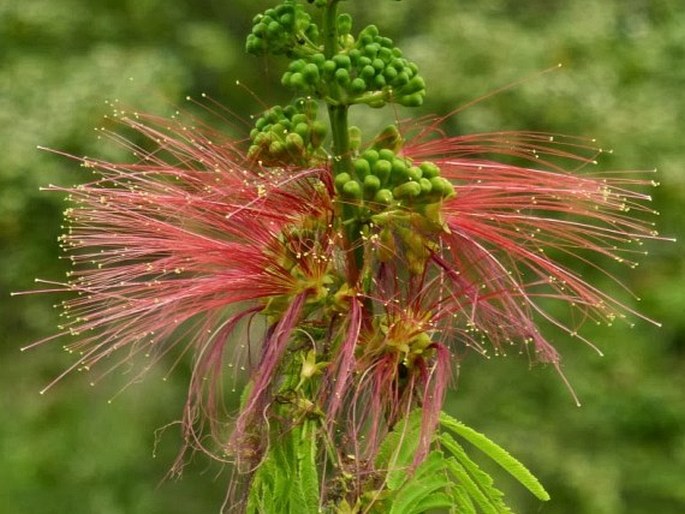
(397, 450)
(481, 478)
(498, 454)
(308, 477)
(429, 478)
(471, 488)
(437, 500)
(462, 501)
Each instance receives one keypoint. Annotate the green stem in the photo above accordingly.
(342, 160)
(330, 32)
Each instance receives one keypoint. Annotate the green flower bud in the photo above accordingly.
(384, 196)
(342, 76)
(286, 78)
(287, 21)
(329, 68)
(274, 29)
(429, 169)
(371, 156)
(379, 81)
(389, 73)
(362, 168)
(303, 130)
(413, 100)
(382, 170)
(386, 154)
(385, 54)
(378, 64)
(442, 187)
(344, 24)
(311, 73)
(261, 123)
(415, 85)
(389, 137)
(371, 50)
(262, 139)
(371, 185)
(370, 30)
(259, 29)
(414, 173)
(341, 180)
(278, 129)
(407, 190)
(318, 59)
(368, 72)
(342, 61)
(347, 41)
(426, 185)
(355, 136)
(399, 171)
(276, 148)
(352, 189)
(297, 81)
(358, 86)
(299, 118)
(254, 45)
(294, 143)
(400, 80)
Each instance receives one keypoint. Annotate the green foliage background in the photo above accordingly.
(623, 82)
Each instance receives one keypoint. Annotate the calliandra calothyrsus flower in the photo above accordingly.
(195, 244)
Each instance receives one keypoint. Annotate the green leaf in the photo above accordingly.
(498, 454)
(482, 479)
(437, 500)
(397, 450)
(462, 501)
(422, 490)
(308, 477)
(471, 487)
(287, 479)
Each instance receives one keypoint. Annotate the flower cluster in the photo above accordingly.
(342, 282)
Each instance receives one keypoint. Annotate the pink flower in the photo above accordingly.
(193, 244)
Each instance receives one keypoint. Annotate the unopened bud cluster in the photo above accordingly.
(285, 29)
(290, 134)
(367, 70)
(382, 178)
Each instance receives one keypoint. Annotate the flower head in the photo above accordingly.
(344, 280)
(194, 242)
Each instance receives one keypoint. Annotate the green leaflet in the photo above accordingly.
(428, 480)
(462, 501)
(437, 500)
(397, 450)
(306, 468)
(471, 488)
(479, 477)
(498, 454)
(287, 480)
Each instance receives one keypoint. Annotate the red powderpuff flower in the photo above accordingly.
(181, 247)
(511, 229)
(192, 241)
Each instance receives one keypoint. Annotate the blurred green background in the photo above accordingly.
(623, 82)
